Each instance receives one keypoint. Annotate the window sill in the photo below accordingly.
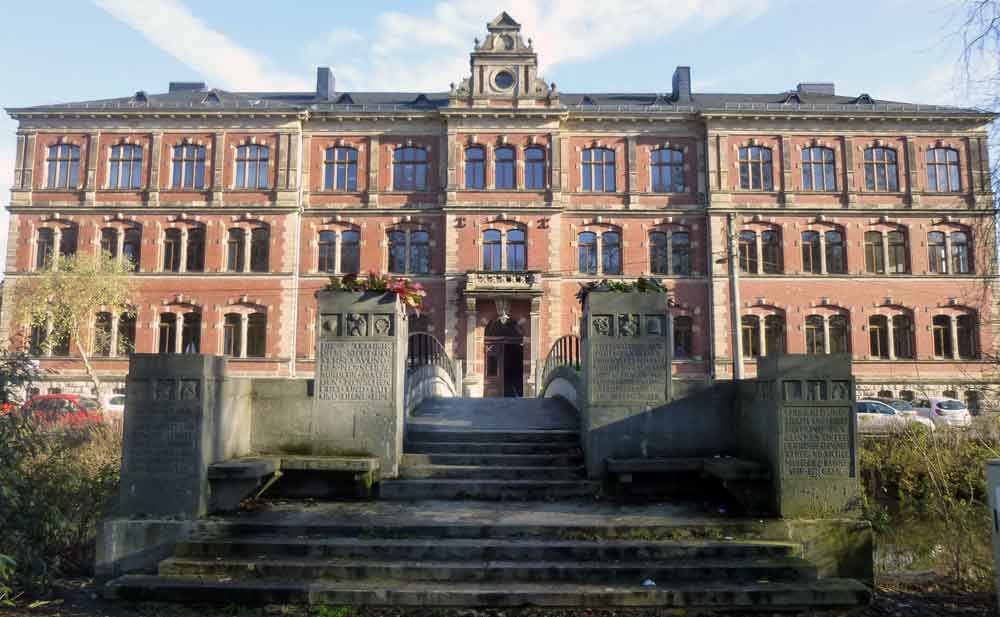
(184, 190)
(808, 192)
(943, 193)
(336, 192)
(605, 193)
(753, 192)
(266, 189)
(59, 190)
(880, 193)
(139, 189)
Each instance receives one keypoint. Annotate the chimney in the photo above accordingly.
(682, 85)
(325, 83)
(815, 88)
(187, 86)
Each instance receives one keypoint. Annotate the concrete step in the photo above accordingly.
(489, 490)
(472, 472)
(580, 572)
(826, 594)
(495, 460)
(491, 436)
(480, 447)
(419, 549)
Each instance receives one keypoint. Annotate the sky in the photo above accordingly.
(904, 50)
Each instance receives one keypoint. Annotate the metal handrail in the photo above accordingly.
(424, 349)
(564, 352)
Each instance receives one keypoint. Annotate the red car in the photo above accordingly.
(67, 410)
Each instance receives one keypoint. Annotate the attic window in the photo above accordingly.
(864, 99)
(421, 100)
(660, 100)
(790, 98)
(140, 97)
(211, 97)
(345, 99)
(587, 100)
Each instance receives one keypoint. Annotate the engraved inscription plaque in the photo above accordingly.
(628, 372)
(816, 441)
(354, 370)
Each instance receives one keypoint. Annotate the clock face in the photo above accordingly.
(503, 80)
(508, 42)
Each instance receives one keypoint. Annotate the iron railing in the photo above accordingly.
(424, 349)
(564, 352)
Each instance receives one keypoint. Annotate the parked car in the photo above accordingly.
(64, 410)
(114, 405)
(901, 405)
(944, 412)
(876, 417)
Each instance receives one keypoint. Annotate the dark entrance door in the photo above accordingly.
(504, 360)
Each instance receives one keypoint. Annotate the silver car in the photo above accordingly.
(876, 417)
(944, 412)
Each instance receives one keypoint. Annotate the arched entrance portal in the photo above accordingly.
(504, 348)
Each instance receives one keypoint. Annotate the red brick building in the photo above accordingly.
(856, 224)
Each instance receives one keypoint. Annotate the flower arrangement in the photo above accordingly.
(412, 294)
(641, 285)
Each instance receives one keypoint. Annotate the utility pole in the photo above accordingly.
(734, 296)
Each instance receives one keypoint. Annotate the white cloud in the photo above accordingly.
(169, 25)
(427, 51)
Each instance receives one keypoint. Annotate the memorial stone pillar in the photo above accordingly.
(626, 369)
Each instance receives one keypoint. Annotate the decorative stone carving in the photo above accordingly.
(602, 325)
(383, 325)
(357, 325)
(628, 325)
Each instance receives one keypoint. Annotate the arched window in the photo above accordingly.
(125, 167)
(191, 333)
(774, 334)
(257, 335)
(102, 335)
(811, 259)
(770, 248)
(902, 332)
(840, 340)
(587, 245)
(235, 251)
(942, 170)
(683, 337)
(750, 326)
(409, 169)
(878, 336)
(420, 253)
(874, 257)
(132, 247)
(517, 255)
(63, 166)
(37, 340)
(44, 246)
(172, 250)
(260, 243)
(818, 169)
(815, 339)
(941, 325)
(534, 168)
(668, 170)
(60, 347)
(965, 327)
(492, 250)
(340, 169)
(350, 252)
(748, 252)
(167, 333)
(504, 167)
(252, 167)
(188, 167)
(680, 253)
(756, 170)
(409, 251)
(937, 256)
(109, 241)
(327, 252)
(960, 261)
(899, 254)
(475, 167)
(598, 170)
(232, 331)
(611, 252)
(880, 170)
(196, 249)
(658, 261)
(126, 335)
(836, 259)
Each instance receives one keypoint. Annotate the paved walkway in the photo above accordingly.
(523, 414)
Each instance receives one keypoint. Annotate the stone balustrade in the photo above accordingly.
(502, 281)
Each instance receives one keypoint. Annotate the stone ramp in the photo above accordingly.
(465, 553)
(516, 414)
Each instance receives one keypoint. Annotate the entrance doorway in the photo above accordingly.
(504, 360)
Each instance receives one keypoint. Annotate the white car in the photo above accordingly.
(876, 417)
(114, 406)
(944, 412)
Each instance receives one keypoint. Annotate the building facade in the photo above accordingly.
(804, 221)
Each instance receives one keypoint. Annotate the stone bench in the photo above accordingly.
(234, 480)
(749, 482)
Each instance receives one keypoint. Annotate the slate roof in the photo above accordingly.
(222, 100)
